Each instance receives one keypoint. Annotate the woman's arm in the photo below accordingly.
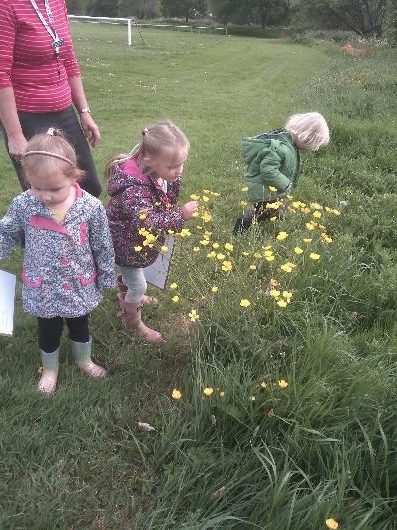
(9, 118)
(90, 128)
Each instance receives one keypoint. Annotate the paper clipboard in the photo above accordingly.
(7, 302)
(157, 273)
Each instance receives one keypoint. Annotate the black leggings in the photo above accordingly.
(50, 331)
(258, 212)
(65, 120)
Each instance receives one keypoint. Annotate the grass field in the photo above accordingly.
(301, 423)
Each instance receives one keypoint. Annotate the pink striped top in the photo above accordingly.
(27, 58)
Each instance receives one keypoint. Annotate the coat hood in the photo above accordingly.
(124, 175)
(253, 144)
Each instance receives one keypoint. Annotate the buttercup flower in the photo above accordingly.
(205, 198)
(214, 289)
(307, 240)
(298, 250)
(331, 523)
(326, 238)
(311, 225)
(287, 295)
(215, 245)
(220, 256)
(206, 217)
(274, 282)
(222, 394)
(196, 249)
(245, 302)
(138, 248)
(245, 253)
(314, 256)
(272, 188)
(253, 267)
(185, 232)
(164, 248)
(281, 236)
(175, 299)
(204, 242)
(194, 197)
(229, 246)
(282, 303)
(142, 216)
(211, 255)
(263, 385)
(243, 203)
(316, 206)
(317, 214)
(269, 258)
(282, 383)
(193, 315)
(245, 188)
(174, 286)
(176, 394)
(227, 266)
(208, 391)
(257, 255)
(275, 293)
(286, 267)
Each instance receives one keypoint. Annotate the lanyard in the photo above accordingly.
(56, 40)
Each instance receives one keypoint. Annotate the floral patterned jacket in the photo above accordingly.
(137, 203)
(65, 264)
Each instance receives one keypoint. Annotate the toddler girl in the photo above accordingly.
(68, 252)
(272, 163)
(144, 188)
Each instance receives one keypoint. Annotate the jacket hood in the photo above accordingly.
(253, 144)
(125, 174)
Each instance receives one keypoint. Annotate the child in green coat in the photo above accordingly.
(273, 164)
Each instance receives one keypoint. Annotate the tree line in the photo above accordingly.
(364, 17)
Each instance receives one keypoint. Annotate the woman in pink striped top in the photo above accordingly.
(40, 81)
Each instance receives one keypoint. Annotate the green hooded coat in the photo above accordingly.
(271, 160)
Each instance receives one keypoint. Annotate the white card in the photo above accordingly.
(7, 300)
(157, 273)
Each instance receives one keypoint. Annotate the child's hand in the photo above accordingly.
(189, 209)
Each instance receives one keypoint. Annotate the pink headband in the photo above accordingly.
(48, 153)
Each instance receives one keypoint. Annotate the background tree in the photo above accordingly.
(102, 8)
(184, 8)
(262, 12)
(391, 22)
(364, 17)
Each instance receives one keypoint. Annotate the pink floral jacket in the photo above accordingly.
(136, 202)
(65, 264)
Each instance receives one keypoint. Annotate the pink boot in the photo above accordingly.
(130, 313)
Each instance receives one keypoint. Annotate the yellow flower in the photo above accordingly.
(185, 232)
(263, 385)
(287, 295)
(273, 205)
(253, 398)
(222, 394)
(307, 240)
(215, 245)
(229, 246)
(174, 286)
(272, 188)
(194, 197)
(206, 191)
(205, 198)
(257, 255)
(175, 299)
(274, 218)
(245, 188)
(331, 524)
(193, 315)
(281, 236)
(317, 214)
(245, 302)
(243, 203)
(164, 248)
(171, 231)
(325, 237)
(204, 242)
(220, 256)
(195, 214)
(316, 206)
(268, 253)
(275, 293)
(227, 266)
(282, 303)
(215, 193)
(314, 256)
(138, 248)
(208, 391)
(245, 253)
(274, 282)
(211, 255)
(286, 267)
(206, 217)
(298, 250)
(336, 212)
(253, 267)
(142, 216)
(176, 394)
(282, 383)
(214, 289)
(311, 225)
(269, 258)
(196, 249)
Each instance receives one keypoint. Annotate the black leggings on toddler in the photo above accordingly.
(50, 331)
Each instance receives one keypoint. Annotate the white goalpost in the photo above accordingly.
(132, 23)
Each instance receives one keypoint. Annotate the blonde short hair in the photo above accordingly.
(309, 131)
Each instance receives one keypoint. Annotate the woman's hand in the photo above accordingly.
(90, 128)
(17, 145)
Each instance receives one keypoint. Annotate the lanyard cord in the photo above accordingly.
(49, 27)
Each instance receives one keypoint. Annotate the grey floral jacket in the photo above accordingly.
(65, 264)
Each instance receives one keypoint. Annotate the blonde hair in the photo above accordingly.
(50, 152)
(155, 139)
(309, 131)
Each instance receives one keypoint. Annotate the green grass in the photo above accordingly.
(323, 447)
